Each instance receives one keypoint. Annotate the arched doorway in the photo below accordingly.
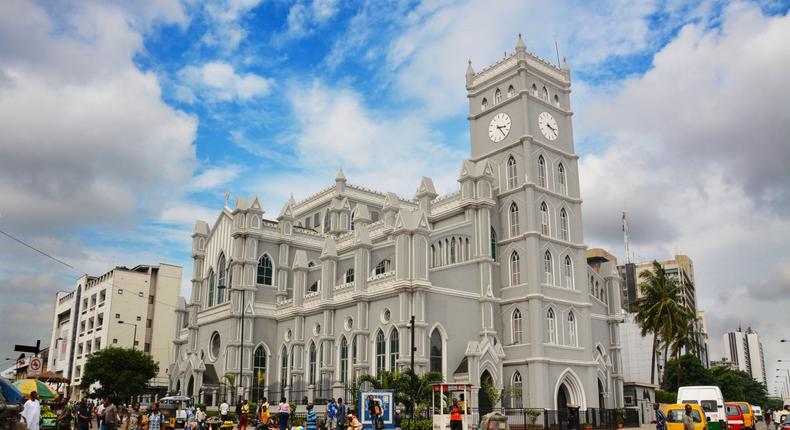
(601, 401)
(190, 386)
(484, 401)
(569, 390)
(562, 397)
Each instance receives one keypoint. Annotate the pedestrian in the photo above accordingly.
(375, 412)
(244, 415)
(83, 416)
(456, 422)
(311, 417)
(156, 421)
(353, 422)
(134, 421)
(64, 418)
(688, 421)
(99, 412)
(331, 414)
(263, 412)
(341, 414)
(200, 417)
(661, 419)
(399, 418)
(109, 415)
(238, 412)
(31, 413)
(224, 407)
(283, 411)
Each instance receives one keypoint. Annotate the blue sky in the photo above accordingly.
(124, 123)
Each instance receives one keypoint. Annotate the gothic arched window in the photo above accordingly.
(568, 272)
(484, 104)
(436, 351)
(562, 179)
(572, 337)
(512, 175)
(518, 389)
(544, 94)
(515, 275)
(513, 219)
(541, 172)
(343, 360)
(258, 373)
(497, 96)
(350, 275)
(264, 274)
(382, 267)
(511, 91)
(564, 224)
(211, 288)
(493, 243)
(548, 268)
(327, 222)
(556, 100)
(534, 90)
(283, 369)
(394, 350)
(517, 328)
(551, 326)
(221, 279)
(381, 353)
(311, 371)
(544, 218)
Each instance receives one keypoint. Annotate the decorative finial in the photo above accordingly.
(520, 45)
(227, 198)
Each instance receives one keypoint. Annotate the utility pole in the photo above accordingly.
(241, 347)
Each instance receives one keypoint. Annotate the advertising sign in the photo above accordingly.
(385, 399)
(34, 367)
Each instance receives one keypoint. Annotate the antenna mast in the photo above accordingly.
(625, 239)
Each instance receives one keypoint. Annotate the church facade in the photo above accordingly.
(495, 274)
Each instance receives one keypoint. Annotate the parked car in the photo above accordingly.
(710, 399)
(734, 416)
(748, 415)
(674, 413)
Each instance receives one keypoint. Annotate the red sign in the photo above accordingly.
(34, 367)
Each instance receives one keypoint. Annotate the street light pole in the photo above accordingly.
(134, 340)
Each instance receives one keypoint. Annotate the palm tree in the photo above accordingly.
(410, 389)
(659, 310)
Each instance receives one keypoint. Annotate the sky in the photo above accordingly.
(124, 122)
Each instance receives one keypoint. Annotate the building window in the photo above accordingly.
(493, 243)
(394, 350)
(556, 100)
(534, 90)
(353, 217)
(572, 338)
(544, 94)
(139, 318)
(258, 373)
(436, 351)
(314, 287)
(307, 222)
(316, 220)
(551, 327)
(515, 275)
(541, 172)
(497, 96)
(146, 347)
(484, 104)
(264, 274)
(513, 220)
(518, 389)
(343, 360)
(312, 369)
(562, 179)
(548, 268)
(381, 353)
(114, 341)
(568, 269)
(382, 267)
(327, 222)
(544, 218)
(349, 275)
(511, 91)
(452, 251)
(517, 330)
(148, 323)
(150, 300)
(214, 346)
(564, 224)
(221, 280)
(512, 174)
(283, 369)
(210, 288)
(117, 316)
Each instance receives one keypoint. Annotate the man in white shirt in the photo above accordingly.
(31, 413)
(223, 411)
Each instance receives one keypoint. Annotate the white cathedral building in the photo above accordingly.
(494, 273)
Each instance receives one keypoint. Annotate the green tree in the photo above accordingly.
(410, 389)
(688, 370)
(120, 372)
(659, 310)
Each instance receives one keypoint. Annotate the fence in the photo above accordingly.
(592, 418)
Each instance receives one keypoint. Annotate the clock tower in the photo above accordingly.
(520, 125)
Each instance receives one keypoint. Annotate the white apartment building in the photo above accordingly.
(122, 308)
(745, 351)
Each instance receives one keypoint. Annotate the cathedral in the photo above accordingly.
(496, 275)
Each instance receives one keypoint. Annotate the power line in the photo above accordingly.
(38, 250)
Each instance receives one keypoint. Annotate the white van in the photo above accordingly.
(710, 399)
(758, 413)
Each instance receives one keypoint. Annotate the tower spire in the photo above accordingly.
(520, 45)
(470, 73)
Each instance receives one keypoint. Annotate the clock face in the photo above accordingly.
(499, 127)
(548, 126)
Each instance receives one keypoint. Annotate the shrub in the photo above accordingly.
(666, 396)
(418, 424)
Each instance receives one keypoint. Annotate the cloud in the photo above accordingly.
(213, 177)
(224, 29)
(305, 17)
(217, 81)
(86, 136)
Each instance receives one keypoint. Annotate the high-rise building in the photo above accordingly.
(129, 308)
(745, 351)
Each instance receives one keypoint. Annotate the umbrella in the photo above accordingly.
(10, 392)
(26, 386)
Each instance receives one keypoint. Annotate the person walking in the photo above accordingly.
(331, 414)
(200, 417)
(156, 421)
(263, 412)
(456, 421)
(341, 414)
(244, 415)
(223, 411)
(311, 417)
(283, 411)
(31, 412)
(688, 421)
(661, 419)
(134, 420)
(83, 416)
(109, 415)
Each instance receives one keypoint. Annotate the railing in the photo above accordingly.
(563, 419)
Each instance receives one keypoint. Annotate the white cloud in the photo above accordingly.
(697, 159)
(213, 177)
(305, 17)
(223, 17)
(218, 81)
